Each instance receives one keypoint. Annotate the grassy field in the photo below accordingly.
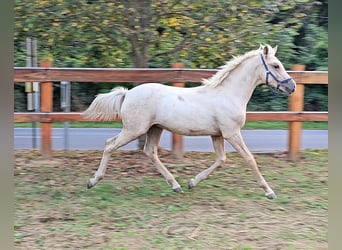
(248, 125)
(134, 208)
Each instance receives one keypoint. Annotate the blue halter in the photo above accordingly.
(269, 73)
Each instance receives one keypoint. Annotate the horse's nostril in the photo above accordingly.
(290, 90)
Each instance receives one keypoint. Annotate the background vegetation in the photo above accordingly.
(147, 33)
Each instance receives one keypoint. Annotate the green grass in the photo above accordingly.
(248, 125)
(134, 208)
(284, 125)
(74, 124)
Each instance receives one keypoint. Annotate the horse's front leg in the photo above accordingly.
(218, 144)
(237, 142)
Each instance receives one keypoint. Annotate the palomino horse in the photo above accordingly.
(216, 108)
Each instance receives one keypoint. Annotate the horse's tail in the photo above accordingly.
(106, 106)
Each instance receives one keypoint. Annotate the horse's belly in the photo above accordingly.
(188, 128)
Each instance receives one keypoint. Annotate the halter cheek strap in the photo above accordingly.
(269, 73)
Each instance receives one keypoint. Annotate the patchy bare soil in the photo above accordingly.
(134, 208)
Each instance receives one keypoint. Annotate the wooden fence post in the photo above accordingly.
(46, 105)
(296, 103)
(177, 139)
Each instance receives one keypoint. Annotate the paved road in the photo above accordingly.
(94, 138)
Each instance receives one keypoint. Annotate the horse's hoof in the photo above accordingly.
(178, 190)
(191, 184)
(271, 195)
(89, 184)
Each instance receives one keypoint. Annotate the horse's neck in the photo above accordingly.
(242, 81)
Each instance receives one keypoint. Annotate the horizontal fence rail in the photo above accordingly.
(45, 75)
(285, 116)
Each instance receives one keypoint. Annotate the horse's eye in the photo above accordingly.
(276, 66)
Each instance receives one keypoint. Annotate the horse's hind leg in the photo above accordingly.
(113, 143)
(151, 150)
(240, 146)
(218, 144)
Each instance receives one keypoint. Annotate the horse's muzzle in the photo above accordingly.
(290, 90)
(290, 86)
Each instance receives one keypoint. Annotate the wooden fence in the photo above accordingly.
(47, 74)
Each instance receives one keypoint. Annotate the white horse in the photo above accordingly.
(216, 108)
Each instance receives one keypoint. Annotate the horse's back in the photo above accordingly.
(151, 94)
(142, 101)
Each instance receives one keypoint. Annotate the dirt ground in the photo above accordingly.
(134, 208)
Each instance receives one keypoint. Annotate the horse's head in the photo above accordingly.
(274, 72)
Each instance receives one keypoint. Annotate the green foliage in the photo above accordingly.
(264, 99)
(136, 33)
(316, 98)
(312, 38)
(314, 49)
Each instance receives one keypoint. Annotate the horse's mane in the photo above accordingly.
(224, 71)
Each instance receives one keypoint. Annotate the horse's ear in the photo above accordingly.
(265, 50)
(275, 49)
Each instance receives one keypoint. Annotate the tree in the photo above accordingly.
(140, 32)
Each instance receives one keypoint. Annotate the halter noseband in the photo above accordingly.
(268, 73)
